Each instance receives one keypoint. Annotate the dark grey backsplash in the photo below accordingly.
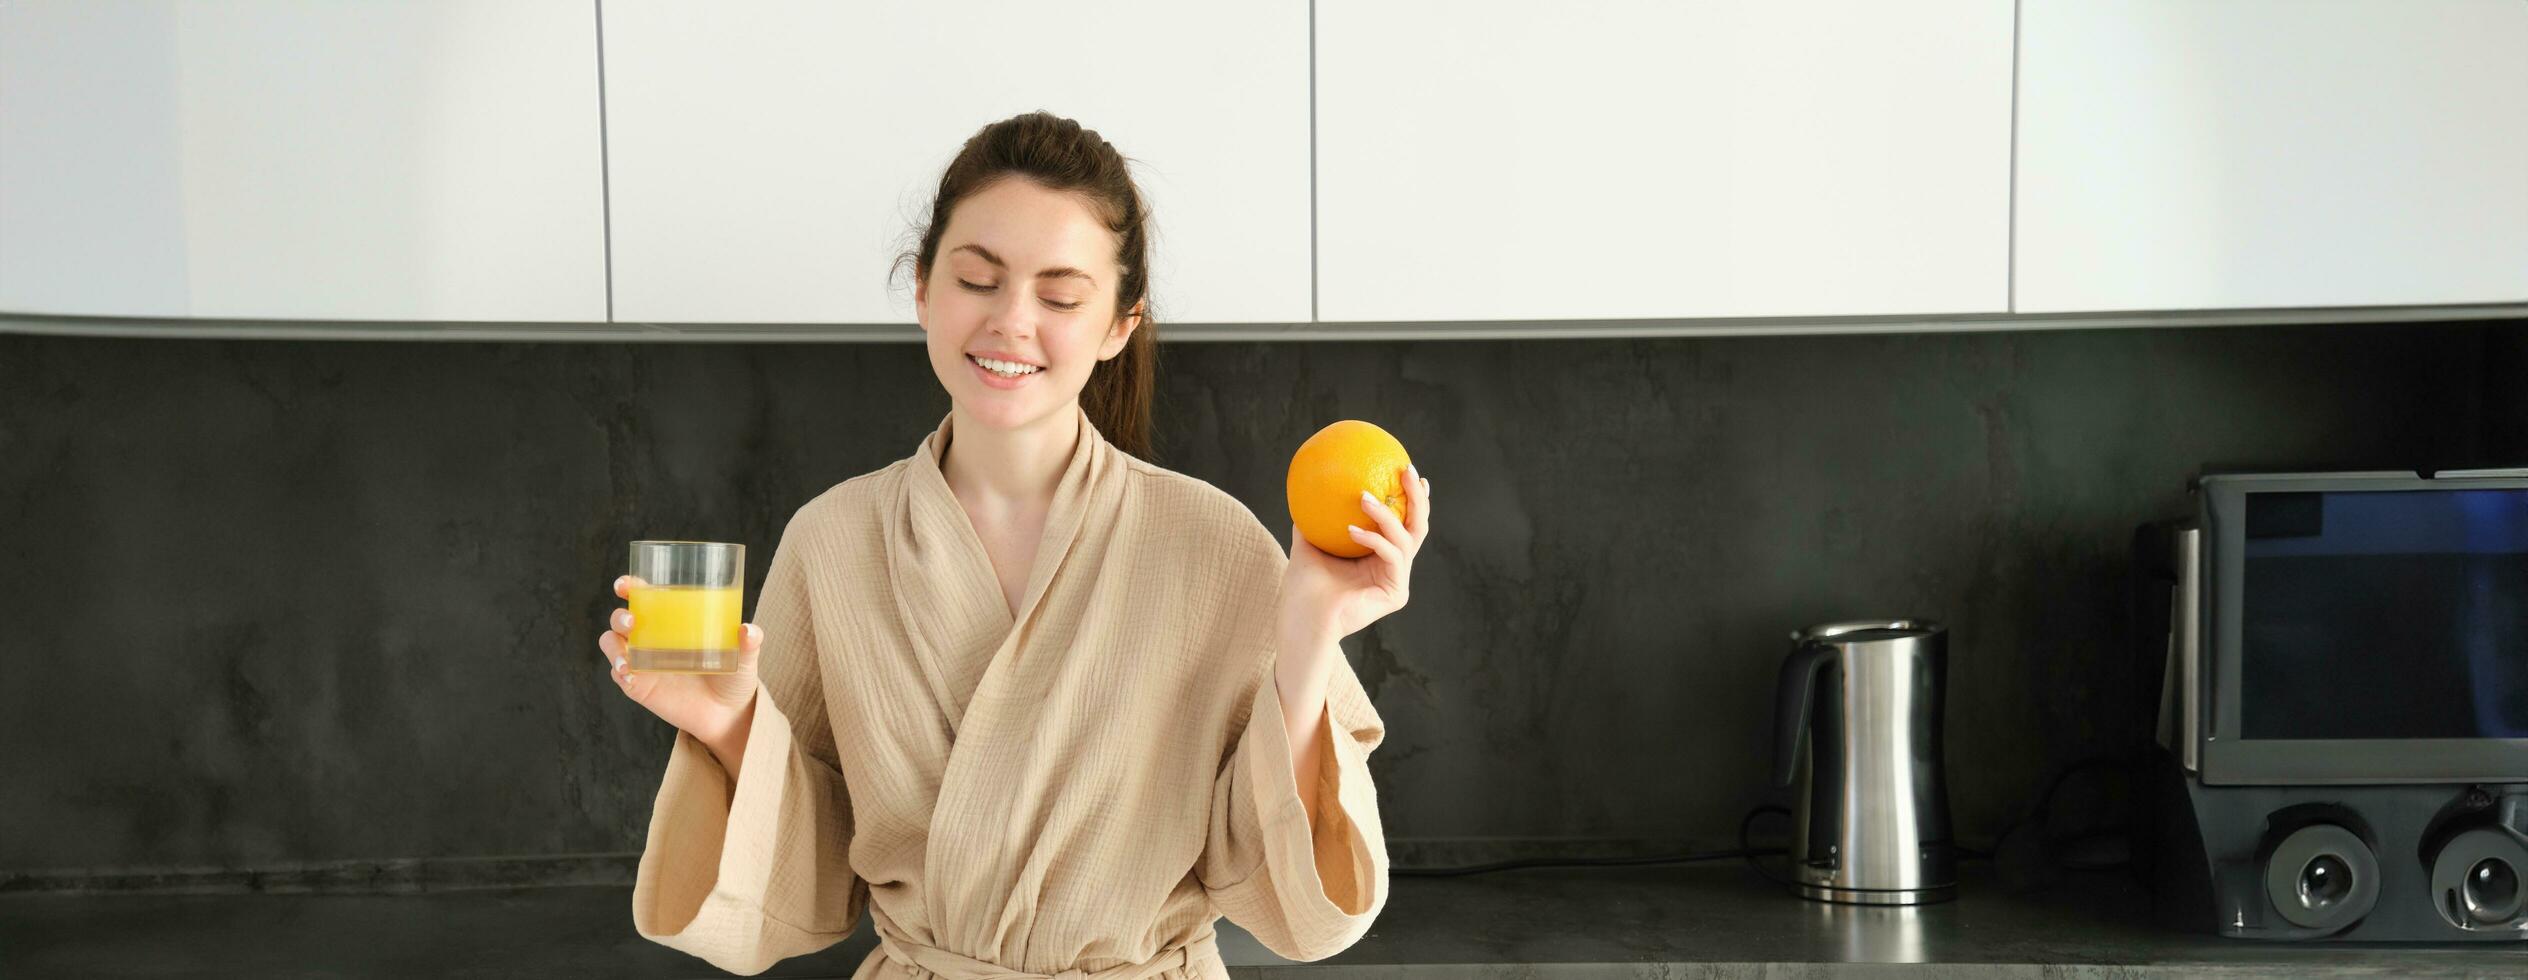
(2506, 392)
(298, 601)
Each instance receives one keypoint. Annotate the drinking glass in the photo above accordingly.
(686, 615)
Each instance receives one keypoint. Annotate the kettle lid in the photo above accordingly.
(1867, 630)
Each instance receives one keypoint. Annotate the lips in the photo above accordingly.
(1003, 360)
(993, 380)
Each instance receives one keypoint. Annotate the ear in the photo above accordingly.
(1121, 333)
(921, 303)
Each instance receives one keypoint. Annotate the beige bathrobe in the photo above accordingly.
(1078, 792)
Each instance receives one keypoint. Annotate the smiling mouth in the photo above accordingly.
(1005, 369)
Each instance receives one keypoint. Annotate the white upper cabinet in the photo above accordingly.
(1352, 162)
(768, 163)
(407, 161)
(2182, 155)
(1506, 159)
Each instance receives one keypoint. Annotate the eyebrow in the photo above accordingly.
(1057, 272)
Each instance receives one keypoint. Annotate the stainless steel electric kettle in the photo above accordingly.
(1858, 732)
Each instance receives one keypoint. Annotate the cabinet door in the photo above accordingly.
(768, 164)
(355, 161)
(1514, 160)
(2272, 153)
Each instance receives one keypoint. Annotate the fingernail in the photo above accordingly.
(1411, 472)
(618, 663)
(1355, 529)
(1368, 498)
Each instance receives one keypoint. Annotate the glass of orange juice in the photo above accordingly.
(685, 613)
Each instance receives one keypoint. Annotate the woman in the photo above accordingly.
(1043, 708)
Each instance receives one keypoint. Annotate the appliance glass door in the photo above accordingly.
(2384, 615)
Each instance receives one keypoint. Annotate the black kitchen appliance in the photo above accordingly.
(2343, 723)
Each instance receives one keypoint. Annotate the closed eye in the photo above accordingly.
(987, 288)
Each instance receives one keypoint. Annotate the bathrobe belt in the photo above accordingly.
(952, 966)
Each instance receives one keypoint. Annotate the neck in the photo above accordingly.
(1010, 469)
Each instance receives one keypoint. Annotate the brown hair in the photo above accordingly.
(1060, 155)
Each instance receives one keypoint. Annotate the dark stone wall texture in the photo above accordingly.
(301, 601)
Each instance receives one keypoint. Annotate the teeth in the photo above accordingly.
(1006, 368)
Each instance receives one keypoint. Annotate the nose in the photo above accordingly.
(1011, 315)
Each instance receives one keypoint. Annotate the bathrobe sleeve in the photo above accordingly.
(749, 875)
(1305, 892)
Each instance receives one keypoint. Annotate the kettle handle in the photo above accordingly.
(1792, 697)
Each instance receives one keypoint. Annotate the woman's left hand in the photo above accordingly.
(1326, 598)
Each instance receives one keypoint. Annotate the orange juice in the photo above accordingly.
(685, 629)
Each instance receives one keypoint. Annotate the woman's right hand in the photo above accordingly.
(711, 707)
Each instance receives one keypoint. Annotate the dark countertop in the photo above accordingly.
(1706, 920)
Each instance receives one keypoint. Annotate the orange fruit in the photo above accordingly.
(1327, 476)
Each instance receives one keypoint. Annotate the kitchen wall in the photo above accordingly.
(2506, 391)
(285, 601)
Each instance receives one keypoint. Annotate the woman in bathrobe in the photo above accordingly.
(1040, 707)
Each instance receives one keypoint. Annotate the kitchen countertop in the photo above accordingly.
(1703, 920)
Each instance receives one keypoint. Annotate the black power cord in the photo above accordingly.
(1562, 862)
(2113, 841)
(1752, 855)
(1744, 848)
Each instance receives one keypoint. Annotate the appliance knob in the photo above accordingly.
(2475, 879)
(2322, 877)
